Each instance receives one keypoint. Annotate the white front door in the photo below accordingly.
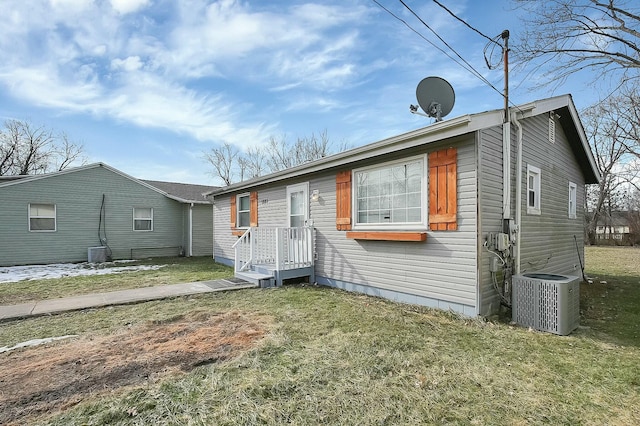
(298, 204)
(298, 212)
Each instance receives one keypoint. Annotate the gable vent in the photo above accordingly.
(552, 127)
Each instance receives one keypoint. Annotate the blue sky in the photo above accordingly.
(148, 85)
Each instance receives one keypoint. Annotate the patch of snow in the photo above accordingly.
(11, 274)
(35, 342)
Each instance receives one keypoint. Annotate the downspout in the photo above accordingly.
(518, 183)
(506, 170)
(190, 229)
(506, 138)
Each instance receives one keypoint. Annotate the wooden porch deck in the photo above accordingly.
(268, 256)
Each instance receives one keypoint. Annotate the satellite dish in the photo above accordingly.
(435, 96)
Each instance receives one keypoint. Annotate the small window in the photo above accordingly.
(42, 217)
(533, 190)
(244, 211)
(142, 219)
(391, 195)
(573, 189)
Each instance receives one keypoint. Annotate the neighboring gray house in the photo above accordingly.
(614, 229)
(56, 217)
(426, 217)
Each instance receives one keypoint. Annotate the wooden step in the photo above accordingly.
(259, 278)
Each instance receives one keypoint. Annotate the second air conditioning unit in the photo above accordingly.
(546, 302)
(97, 254)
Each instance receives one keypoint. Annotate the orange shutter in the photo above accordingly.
(234, 212)
(253, 209)
(343, 201)
(443, 204)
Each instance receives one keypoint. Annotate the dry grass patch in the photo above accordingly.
(56, 377)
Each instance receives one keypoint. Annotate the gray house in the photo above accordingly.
(614, 228)
(441, 216)
(57, 217)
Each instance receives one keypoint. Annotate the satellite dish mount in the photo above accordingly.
(435, 96)
(435, 110)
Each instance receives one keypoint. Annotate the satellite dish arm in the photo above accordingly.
(413, 109)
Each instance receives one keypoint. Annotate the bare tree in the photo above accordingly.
(27, 149)
(67, 153)
(277, 154)
(223, 159)
(607, 133)
(633, 216)
(627, 107)
(572, 35)
(255, 161)
(283, 155)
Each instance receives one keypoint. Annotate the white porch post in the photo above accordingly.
(278, 249)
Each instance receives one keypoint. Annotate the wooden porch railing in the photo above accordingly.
(284, 248)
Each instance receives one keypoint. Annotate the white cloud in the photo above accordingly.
(71, 4)
(148, 101)
(128, 6)
(132, 63)
(172, 70)
(43, 87)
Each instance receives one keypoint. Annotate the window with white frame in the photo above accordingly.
(244, 210)
(533, 190)
(391, 195)
(42, 217)
(143, 219)
(573, 190)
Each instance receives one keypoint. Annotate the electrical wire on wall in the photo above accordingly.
(102, 228)
(501, 284)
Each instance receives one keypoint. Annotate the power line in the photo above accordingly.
(492, 40)
(422, 36)
(467, 66)
(470, 67)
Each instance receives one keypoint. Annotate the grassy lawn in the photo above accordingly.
(331, 357)
(178, 270)
(611, 305)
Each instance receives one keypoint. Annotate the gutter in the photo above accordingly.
(434, 133)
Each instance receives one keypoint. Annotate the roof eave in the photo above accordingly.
(433, 133)
(106, 166)
(571, 123)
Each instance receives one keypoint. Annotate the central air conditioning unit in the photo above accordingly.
(546, 302)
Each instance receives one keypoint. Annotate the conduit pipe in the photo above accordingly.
(518, 183)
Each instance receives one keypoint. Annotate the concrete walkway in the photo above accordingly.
(144, 294)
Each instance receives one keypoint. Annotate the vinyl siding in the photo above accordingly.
(78, 197)
(443, 268)
(548, 239)
(490, 209)
(272, 206)
(202, 216)
(223, 240)
(547, 242)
